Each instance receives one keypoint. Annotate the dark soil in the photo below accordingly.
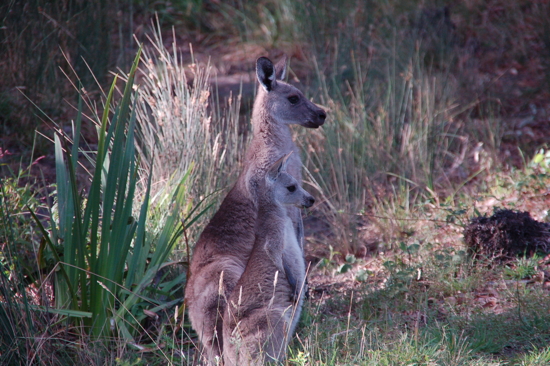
(507, 234)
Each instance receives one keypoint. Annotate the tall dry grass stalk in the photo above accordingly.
(183, 127)
(391, 137)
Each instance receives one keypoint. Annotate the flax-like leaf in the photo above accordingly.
(116, 232)
(65, 207)
(126, 233)
(50, 244)
(166, 305)
(136, 262)
(92, 213)
(165, 242)
(76, 135)
(77, 245)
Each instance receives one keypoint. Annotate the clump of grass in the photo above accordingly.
(399, 131)
(540, 356)
(183, 126)
(111, 271)
(522, 268)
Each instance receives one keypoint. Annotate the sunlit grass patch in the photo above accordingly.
(438, 307)
(184, 128)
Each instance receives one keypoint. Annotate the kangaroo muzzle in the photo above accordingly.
(317, 120)
(308, 202)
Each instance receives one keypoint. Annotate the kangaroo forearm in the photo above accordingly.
(292, 281)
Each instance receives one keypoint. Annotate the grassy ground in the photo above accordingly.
(427, 302)
(436, 113)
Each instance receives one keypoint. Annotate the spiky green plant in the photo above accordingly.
(108, 260)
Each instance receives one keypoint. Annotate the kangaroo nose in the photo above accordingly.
(310, 201)
(322, 115)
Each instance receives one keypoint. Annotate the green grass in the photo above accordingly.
(435, 320)
(101, 272)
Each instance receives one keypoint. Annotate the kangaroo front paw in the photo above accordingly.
(294, 289)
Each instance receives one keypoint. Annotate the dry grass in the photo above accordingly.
(185, 131)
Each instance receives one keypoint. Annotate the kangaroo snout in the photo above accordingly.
(308, 202)
(317, 120)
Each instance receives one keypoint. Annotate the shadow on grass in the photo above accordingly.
(388, 327)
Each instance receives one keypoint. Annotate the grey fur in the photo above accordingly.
(261, 314)
(225, 245)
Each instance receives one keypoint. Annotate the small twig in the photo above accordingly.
(404, 219)
(349, 319)
(188, 255)
(333, 337)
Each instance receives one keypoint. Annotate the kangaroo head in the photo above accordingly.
(283, 188)
(283, 102)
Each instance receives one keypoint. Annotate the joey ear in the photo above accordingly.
(278, 167)
(285, 161)
(280, 68)
(265, 72)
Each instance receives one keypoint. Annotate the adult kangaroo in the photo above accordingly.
(261, 314)
(224, 247)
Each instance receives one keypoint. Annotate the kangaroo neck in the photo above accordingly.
(269, 134)
(270, 141)
(270, 218)
(268, 210)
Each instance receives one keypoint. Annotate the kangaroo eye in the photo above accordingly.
(293, 99)
(291, 188)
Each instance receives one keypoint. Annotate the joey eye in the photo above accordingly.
(293, 99)
(291, 188)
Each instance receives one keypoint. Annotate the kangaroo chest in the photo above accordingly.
(293, 254)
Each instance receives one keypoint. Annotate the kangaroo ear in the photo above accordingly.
(285, 161)
(265, 71)
(280, 68)
(278, 167)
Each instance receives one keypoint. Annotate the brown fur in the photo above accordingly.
(259, 318)
(227, 241)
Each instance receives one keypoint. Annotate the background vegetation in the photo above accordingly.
(438, 112)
